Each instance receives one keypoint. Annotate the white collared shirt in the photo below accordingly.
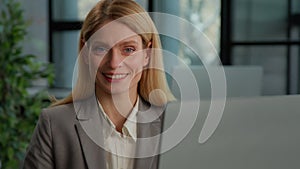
(120, 145)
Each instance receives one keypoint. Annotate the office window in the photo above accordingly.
(65, 18)
(64, 56)
(205, 16)
(37, 32)
(270, 59)
(264, 33)
(71, 10)
(257, 20)
(246, 25)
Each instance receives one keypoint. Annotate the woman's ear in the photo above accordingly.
(149, 45)
(148, 53)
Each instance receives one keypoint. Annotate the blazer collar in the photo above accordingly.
(86, 109)
(94, 155)
(89, 129)
(149, 126)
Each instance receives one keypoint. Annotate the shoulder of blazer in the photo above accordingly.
(69, 110)
(61, 110)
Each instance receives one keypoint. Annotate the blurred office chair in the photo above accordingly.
(241, 81)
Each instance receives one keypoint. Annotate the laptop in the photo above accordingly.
(254, 133)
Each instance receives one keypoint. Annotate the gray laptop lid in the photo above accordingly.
(254, 133)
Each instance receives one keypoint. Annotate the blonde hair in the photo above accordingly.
(137, 19)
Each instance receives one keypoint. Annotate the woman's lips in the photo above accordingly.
(115, 77)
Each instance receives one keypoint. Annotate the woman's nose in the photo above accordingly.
(115, 59)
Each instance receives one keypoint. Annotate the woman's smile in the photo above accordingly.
(115, 77)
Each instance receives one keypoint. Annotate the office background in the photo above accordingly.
(257, 41)
(261, 33)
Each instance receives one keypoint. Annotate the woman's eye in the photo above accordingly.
(99, 50)
(129, 50)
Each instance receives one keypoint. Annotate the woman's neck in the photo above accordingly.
(117, 106)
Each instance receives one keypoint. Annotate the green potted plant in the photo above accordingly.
(19, 110)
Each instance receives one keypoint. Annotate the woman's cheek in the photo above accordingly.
(135, 62)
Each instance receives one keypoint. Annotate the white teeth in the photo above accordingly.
(116, 76)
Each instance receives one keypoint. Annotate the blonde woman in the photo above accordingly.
(116, 102)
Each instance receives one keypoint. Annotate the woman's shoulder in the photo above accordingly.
(63, 107)
(61, 111)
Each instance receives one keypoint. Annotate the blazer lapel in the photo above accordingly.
(89, 130)
(149, 125)
(90, 125)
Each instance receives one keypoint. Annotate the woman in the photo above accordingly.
(117, 101)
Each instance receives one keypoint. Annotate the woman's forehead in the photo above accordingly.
(114, 32)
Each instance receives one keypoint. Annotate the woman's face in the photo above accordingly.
(117, 55)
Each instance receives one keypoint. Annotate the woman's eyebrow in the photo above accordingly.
(98, 42)
(94, 43)
(121, 43)
(126, 42)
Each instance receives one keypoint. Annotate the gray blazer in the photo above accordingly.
(68, 136)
